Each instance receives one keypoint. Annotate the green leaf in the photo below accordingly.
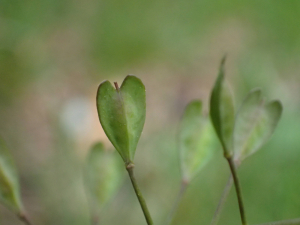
(122, 114)
(9, 182)
(222, 111)
(254, 125)
(103, 176)
(196, 140)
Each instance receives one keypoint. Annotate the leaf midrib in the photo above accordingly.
(121, 99)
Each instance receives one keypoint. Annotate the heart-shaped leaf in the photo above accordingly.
(222, 111)
(9, 182)
(196, 140)
(103, 176)
(254, 125)
(122, 113)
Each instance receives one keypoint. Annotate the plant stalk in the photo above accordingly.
(183, 187)
(222, 201)
(238, 189)
(284, 222)
(24, 219)
(129, 168)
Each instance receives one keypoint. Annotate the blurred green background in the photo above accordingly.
(53, 55)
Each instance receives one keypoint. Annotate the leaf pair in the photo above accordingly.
(103, 176)
(122, 113)
(196, 140)
(253, 125)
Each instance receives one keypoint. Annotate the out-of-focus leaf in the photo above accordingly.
(122, 114)
(254, 125)
(9, 182)
(222, 111)
(196, 140)
(103, 176)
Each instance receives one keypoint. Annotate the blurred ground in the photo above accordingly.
(53, 55)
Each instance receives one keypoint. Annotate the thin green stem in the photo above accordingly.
(222, 201)
(284, 222)
(129, 168)
(24, 219)
(238, 189)
(183, 187)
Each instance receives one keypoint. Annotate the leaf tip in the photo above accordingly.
(132, 77)
(102, 84)
(196, 103)
(256, 90)
(278, 105)
(223, 60)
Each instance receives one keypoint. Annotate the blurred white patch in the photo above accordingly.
(77, 117)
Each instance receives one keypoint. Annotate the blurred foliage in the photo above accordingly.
(55, 52)
(9, 181)
(103, 176)
(196, 141)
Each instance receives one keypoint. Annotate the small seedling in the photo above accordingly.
(242, 134)
(103, 177)
(122, 113)
(196, 143)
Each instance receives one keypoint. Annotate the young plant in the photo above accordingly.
(196, 143)
(103, 176)
(122, 113)
(9, 184)
(242, 134)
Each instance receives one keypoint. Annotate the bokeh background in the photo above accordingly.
(54, 54)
